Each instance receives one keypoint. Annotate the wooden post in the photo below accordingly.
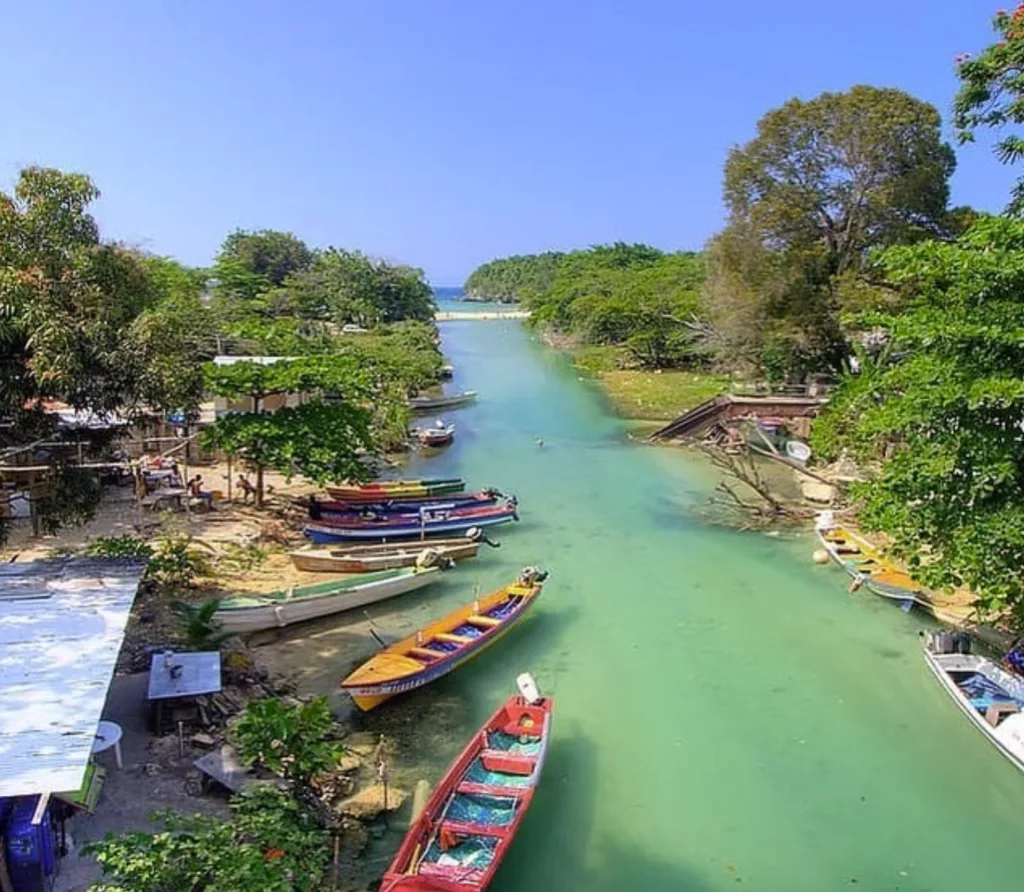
(185, 477)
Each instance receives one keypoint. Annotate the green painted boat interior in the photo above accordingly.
(313, 590)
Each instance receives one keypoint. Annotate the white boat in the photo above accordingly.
(990, 697)
(451, 401)
(251, 613)
(368, 558)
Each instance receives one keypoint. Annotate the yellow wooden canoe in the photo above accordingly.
(867, 565)
(443, 645)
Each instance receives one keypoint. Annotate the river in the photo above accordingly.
(727, 715)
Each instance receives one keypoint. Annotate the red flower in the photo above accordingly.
(273, 854)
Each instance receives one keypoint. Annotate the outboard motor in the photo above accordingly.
(528, 688)
(532, 575)
(429, 557)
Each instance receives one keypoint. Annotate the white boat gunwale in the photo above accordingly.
(941, 665)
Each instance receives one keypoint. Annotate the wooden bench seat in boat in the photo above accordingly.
(471, 788)
(423, 653)
(485, 622)
(454, 639)
(461, 829)
(507, 763)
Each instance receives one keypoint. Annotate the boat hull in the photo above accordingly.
(326, 533)
(412, 503)
(403, 556)
(512, 778)
(371, 494)
(1008, 737)
(429, 404)
(367, 699)
(285, 612)
(440, 647)
(865, 565)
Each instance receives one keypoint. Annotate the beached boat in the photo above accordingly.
(990, 697)
(371, 491)
(441, 435)
(433, 521)
(865, 564)
(450, 401)
(250, 613)
(443, 645)
(405, 503)
(468, 823)
(368, 558)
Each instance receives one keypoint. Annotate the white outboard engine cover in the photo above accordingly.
(1010, 733)
(528, 688)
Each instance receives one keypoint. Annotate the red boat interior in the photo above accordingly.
(466, 828)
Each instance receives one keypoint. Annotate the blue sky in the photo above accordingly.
(443, 132)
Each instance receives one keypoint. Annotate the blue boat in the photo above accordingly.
(400, 505)
(430, 522)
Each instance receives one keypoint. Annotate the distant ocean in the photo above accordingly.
(450, 299)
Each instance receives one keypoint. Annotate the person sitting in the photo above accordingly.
(195, 489)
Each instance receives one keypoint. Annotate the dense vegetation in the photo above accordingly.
(822, 183)
(275, 297)
(116, 332)
(939, 400)
(509, 279)
(634, 296)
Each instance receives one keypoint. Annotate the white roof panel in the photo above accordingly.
(61, 627)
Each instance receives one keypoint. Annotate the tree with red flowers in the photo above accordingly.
(992, 93)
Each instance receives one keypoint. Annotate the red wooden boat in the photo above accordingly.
(473, 814)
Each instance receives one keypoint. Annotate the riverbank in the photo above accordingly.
(649, 397)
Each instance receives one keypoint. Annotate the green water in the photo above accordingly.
(727, 715)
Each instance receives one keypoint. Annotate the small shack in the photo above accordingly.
(62, 622)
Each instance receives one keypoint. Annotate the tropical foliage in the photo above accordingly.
(509, 279)
(822, 182)
(89, 323)
(270, 844)
(634, 296)
(992, 93)
(273, 275)
(291, 741)
(323, 438)
(945, 397)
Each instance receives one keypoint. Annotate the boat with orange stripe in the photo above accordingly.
(445, 644)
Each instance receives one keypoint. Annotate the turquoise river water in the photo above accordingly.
(727, 715)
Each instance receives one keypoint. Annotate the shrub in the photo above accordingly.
(289, 740)
(272, 844)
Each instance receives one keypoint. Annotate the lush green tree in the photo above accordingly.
(252, 264)
(324, 438)
(992, 93)
(347, 287)
(86, 322)
(822, 182)
(630, 295)
(945, 398)
(509, 279)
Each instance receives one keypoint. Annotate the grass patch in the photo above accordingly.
(646, 396)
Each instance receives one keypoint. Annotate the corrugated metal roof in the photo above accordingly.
(61, 627)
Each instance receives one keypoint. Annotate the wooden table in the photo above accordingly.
(224, 767)
(189, 675)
